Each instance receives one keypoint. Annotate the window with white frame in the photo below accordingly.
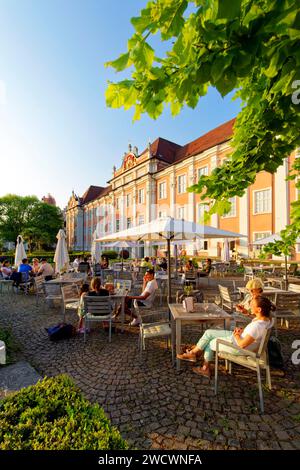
(162, 190)
(117, 225)
(128, 222)
(260, 235)
(117, 203)
(141, 219)
(203, 171)
(262, 201)
(180, 212)
(298, 248)
(141, 197)
(202, 208)
(162, 214)
(128, 200)
(232, 212)
(181, 184)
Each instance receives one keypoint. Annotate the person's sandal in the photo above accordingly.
(187, 356)
(202, 372)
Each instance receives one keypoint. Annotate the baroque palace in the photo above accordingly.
(154, 184)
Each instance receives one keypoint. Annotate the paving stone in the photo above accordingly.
(154, 406)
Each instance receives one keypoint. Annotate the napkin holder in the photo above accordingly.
(188, 304)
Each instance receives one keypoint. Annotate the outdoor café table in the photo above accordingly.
(62, 282)
(203, 312)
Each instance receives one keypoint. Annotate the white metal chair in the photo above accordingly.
(6, 286)
(252, 360)
(287, 307)
(2, 352)
(70, 298)
(39, 289)
(97, 309)
(248, 273)
(52, 293)
(151, 329)
(25, 283)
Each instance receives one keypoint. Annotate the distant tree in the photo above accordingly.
(37, 221)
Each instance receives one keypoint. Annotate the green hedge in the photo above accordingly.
(53, 415)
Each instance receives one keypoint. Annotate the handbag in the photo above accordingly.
(60, 331)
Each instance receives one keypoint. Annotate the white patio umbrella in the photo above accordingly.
(226, 252)
(61, 257)
(20, 251)
(169, 229)
(271, 239)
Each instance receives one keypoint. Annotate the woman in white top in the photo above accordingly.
(247, 338)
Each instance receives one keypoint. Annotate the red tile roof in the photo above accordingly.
(93, 192)
(164, 149)
(214, 137)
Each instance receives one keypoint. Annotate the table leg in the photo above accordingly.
(173, 339)
(122, 314)
(178, 342)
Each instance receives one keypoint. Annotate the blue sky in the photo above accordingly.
(56, 133)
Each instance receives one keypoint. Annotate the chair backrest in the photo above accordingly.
(288, 301)
(105, 273)
(224, 293)
(70, 291)
(126, 275)
(265, 339)
(190, 275)
(292, 269)
(83, 268)
(39, 284)
(98, 306)
(248, 270)
(124, 283)
(97, 269)
(294, 288)
(52, 289)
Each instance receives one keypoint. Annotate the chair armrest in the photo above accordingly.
(233, 346)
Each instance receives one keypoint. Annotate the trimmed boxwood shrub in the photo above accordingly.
(53, 415)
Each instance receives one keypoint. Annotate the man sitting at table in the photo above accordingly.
(144, 300)
(46, 270)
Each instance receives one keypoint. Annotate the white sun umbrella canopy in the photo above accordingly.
(61, 257)
(170, 229)
(271, 239)
(20, 251)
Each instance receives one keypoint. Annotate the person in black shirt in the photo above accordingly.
(97, 289)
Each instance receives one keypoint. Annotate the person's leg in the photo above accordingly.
(209, 348)
(203, 344)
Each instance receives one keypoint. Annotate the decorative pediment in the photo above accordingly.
(129, 161)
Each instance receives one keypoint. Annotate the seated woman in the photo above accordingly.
(207, 268)
(35, 266)
(97, 289)
(189, 267)
(104, 262)
(255, 288)
(6, 269)
(247, 338)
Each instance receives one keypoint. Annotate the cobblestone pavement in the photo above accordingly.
(152, 405)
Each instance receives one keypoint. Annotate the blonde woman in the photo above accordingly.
(255, 288)
(35, 266)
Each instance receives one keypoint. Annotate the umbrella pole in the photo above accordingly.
(169, 271)
(176, 260)
(286, 272)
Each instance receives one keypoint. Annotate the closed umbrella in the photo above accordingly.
(226, 253)
(20, 251)
(61, 257)
(169, 229)
(95, 249)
